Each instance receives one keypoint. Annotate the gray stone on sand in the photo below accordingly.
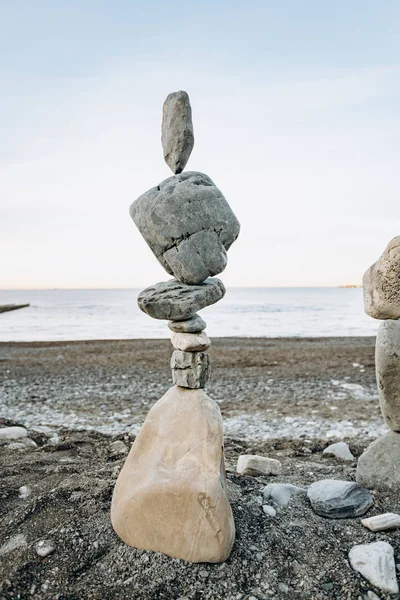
(387, 360)
(193, 325)
(177, 131)
(281, 493)
(375, 562)
(336, 499)
(379, 465)
(12, 433)
(190, 369)
(188, 225)
(340, 450)
(381, 284)
(179, 301)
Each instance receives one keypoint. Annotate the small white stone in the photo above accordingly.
(249, 464)
(24, 491)
(376, 564)
(190, 342)
(269, 510)
(13, 433)
(340, 450)
(372, 596)
(382, 522)
(118, 448)
(44, 548)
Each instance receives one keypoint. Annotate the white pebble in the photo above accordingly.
(382, 522)
(44, 548)
(24, 491)
(269, 510)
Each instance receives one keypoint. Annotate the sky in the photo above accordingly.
(296, 119)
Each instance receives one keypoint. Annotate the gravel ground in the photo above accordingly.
(286, 399)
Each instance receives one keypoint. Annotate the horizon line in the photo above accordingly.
(241, 287)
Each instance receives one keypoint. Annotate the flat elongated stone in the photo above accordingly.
(193, 325)
(250, 464)
(381, 284)
(171, 495)
(191, 342)
(376, 563)
(190, 369)
(387, 360)
(177, 131)
(179, 301)
(379, 465)
(336, 499)
(382, 522)
(188, 225)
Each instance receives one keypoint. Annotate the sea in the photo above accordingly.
(249, 312)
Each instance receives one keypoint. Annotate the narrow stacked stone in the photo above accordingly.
(171, 495)
(379, 466)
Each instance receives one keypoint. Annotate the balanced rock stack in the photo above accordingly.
(379, 466)
(171, 494)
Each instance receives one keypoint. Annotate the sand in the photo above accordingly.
(284, 398)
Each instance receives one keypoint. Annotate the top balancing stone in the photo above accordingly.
(177, 131)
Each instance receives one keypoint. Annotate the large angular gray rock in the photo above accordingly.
(177, 131)
(193, 325)
(188, 225)
(179, 301)
(387, 360)
(379, 465)
(337, 499)
(190, 369)
(381, 284)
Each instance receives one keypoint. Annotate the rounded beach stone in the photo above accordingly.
(12, 433)
(381, 284)
(191, 342)
(193, 325)
(177, 131)
(336, 499)
(190, 369)
(188, 225)
(179, 301)
(387, 360)
(171, 495)
(379, 465)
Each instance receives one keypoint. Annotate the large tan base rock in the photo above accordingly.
(170, 496)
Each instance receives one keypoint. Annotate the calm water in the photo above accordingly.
(114, 314)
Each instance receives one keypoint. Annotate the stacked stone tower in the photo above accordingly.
(171, 493)
(379, 465)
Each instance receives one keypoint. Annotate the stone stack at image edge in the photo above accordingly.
(379, 466)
